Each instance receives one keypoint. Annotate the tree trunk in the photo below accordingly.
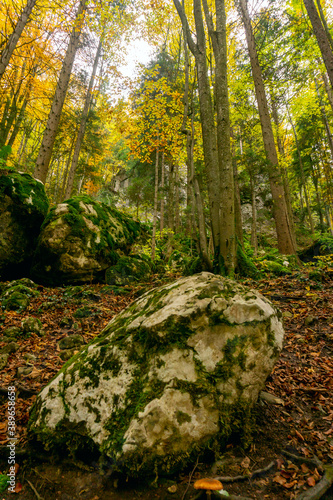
(83, 123)
(283, 226)
(153, 240)
(177, 204)
(209, 140)
(227, 190)
(238, 206)
(254, 239)
(14, 37)
(302, 174)
(328, 89)
(162, 193)
(322, 38)
(45, 152)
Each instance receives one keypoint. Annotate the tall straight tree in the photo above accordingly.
(14, 37)
(83, 123)
(45, 151)
(216, 140)
(283, 225)
(322, 38)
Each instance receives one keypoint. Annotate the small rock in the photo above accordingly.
(10, 348)
(172, 489)
(71, 341)
(16, 302)
(66, 322)
(287, 314)
(83, 312)
(23, 371)
(270, 398)
(67, 354)
(30, 357)
(309, 320)
(3, 361)
(13, 331)
(33, 325)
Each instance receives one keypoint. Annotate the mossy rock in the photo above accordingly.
(32, 325)
(129, 269)
(322, 246)
(274, 268)
(79, 240)
(23, 207)
(16, 295)
(174, 374)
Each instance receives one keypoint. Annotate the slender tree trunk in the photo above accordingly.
(162, 192)
(315, 180)
(14, 37)
(177, 203)
(322, 38)
(307, 202)
(153, 240)
(238, 207)
(83, 123)
(285, 236)
(323, 20)
(45, 152)
(254, 239)
(325, 120)
(68, 164)
(209, 139)
(328, 89)
(227, 191)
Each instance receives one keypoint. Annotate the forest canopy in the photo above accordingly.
(232, 115)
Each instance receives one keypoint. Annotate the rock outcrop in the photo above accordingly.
(23, 207)
(176, 372)
(79, 240)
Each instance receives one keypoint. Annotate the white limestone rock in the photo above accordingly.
(179, 368)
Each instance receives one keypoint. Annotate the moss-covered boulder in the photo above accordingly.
(79, 240)
(129, 269)
(17, 294)
(175, 373)
(23, 207)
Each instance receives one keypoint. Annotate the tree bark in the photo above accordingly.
(153, 240)
(45, 151)
(285, 236)
(83, 123)
(162, 193)
(218, 35)
(209, 139)
(302, 174)
(329, 91)
(322, 38)
(14, 37)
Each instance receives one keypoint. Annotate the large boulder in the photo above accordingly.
(175, 373)
(23, 207)
(79, 240)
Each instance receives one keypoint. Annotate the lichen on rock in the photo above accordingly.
(176, 372)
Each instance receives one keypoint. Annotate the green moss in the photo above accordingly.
(245, 265)
(112, 232)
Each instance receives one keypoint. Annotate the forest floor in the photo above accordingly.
(300, 426)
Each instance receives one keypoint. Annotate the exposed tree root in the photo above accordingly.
(256, 473)
(298, 459)
(318, 491)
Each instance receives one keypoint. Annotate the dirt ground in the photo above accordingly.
(293, 436)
